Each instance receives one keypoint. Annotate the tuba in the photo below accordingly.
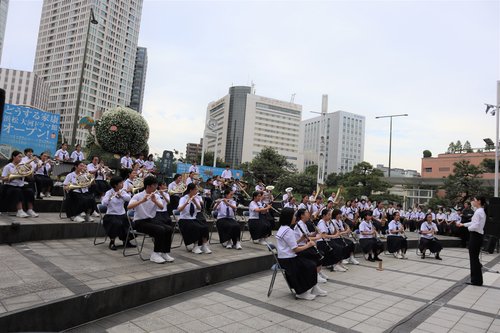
(22, 170)
(82, 181)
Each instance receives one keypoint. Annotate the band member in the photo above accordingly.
(193, 230)
(420, 218)
(174, 198)
(228, 228)
(396, 240)
(149, 164)
(260, 187)
(368, 237)
(292, 203)
(300, 272)
(227, 174)
(331, 197)
(140, 160)
(79, 200)
(77, 154)
(115, 221)
(126, 164)
(194, 168)
(207, 195)
(62, 154)
(162, 214)
(428, 230)
(100, 185)
(128, 184)
(259, 226)
(305, 204)
(145, 205)
(43, 181)
(441, 221)
(15, 191)
(378, 218)
(476, 230)
(190, 178)
(343, 232)
(316, 208)
(332, 252)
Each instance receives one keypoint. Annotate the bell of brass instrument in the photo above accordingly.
(83, 180)
(178, 189)
(137, 184)
(22, 170)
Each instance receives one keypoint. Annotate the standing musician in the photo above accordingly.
(428, 230)
(43, 181)
(162, 214)
(14, 189)
(344, 231)
(476, 230)
(62, 153)
(79, 200)
(227, 174)
(396, 240)
(300, 272)
(115, 221)
(193, 230)
(288, 195)
(194, 168)
(77, 154)
(259, 226)
(126, 164)
(332, 251)
(174, 198)
(100, 185)
(145, 205)
(368, 237)
(228, 228)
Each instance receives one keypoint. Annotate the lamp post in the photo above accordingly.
(212, 126)
(390, 136)
(494, 110)
(92, 20)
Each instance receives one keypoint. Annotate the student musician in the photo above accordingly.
(227, 174)
(194, 168)
(192, 229)
(62, 154)
(145, 204)
(332, 252)
(441, 221)
(300, 272)
(368, 237)
(149, 164)
(428, 230)
(227, 226)
(15, 192)
(43, 181)
(259, 226)
(162, 215)
(343, 232)
(126, 164)
(79, 200)
(77, 154)
(292, 203)
(100, 185)
(316, 208)
(174, 198)
(128, 184)
(115, 220)
(396, 239)
(378, 218)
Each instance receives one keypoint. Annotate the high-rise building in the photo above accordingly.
(244, 123)
(345, 141)
(193, 150)
(70, 36)
(4, 8)
(140, 68)
(24, 88)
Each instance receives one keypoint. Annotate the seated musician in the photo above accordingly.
(368, 237)
(100, 185)
(174, 196)
(441, 221)
(126, 165)
(396, 240)
(259, 226)
(62, 154)
(316, 208)
(207, 195)
(149, 164)
(428, 230)
(14, 190)
(43, 181)
(332, 251)
(145, 204)
(140, 160)
(291, 203)
(162, 215)
(303, 235)
(115, 221)
(300, 272)
(190, 178)
(79, 199)
(77, 154)
(378, 219)
(344, 231)
(193, 230)
(227, 226)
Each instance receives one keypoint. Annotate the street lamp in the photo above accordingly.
(494, 110)
(390, 137)
(92, 20)
(212, 126)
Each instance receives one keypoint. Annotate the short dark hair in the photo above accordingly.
(324, 212)
(336, 212)
(28, 150)
(366, 213)
(227, 191)
(286, 216)
(255, 194)
(177, 175)
(115, 180)
(482, 201)
(150, 180)
(300, 213)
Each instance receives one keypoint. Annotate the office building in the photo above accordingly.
(244, 123)
(345, 141)
(70, 36)
(24, 88)
(193, 150)
(4, 8)
(140, 68)
(397, 172)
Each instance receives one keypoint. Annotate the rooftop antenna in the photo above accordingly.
(253, 88)
(292, 99)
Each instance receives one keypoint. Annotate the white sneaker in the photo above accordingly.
(403, 256)
(320, 279)
(32, 213)
(229, 245)
(399, 256)
(316, 290)
(48, 195)
(21, 213)
(345, 262)
(82, 214)
(157, 258)
(353, 261)
(88, 218)
(42, 195)
(206, 249)
(306, 295)
(197, 250)
(189, 247)
(395, 254)
(262, 241)
(95, 214)
(338, 268)
(238, 246)
(79, 219)
(167, 257)
(323, 275)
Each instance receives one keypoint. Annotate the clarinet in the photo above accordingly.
(320, 256)
(330, 249)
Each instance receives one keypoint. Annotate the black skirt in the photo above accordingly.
(193, 231)
(77, 203)
(396, 243)
(228, 229)
(100, 187)
(432, 244)
(163, 218)
(371, 244)
(347, 246)
(332, 254)
(312, 255)
(12, 195)
(115, 226)
(260, 228)
(300, 273)
(43, 183)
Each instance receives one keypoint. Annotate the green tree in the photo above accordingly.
(427, 153)
(488, 165)
(302, 183)
(268, 166)
(311, 170)
(464, 183)
(467, 147)
(458, 147)
(334, 179)
(364, 179)
(451, 148)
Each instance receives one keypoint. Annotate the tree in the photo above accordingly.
(458, 147)
(467, 147)
(208, 160)
(312, 170)
(427, 153)
(451, 148)
(334, 179)
(268, 166)
(363, 180)
(488, 165)
(302, 183)
(464, 183)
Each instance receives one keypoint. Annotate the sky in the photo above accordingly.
(437, 61)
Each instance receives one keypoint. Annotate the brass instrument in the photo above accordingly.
(338, 196)
(22, 170)
(106, 170)
(179, 188)
(241, 184)
(137, 184)
(83, 180)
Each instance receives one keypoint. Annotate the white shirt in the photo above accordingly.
(149, 165)
(339, 225)
(10, 169)
(291, 205)
(316, 208)
(365, 226)
(477, 222)
(305, 206)
(92, 168)
(227, 174)
(139, 161)
(300, 229)
(115, 204)
(393, 226)
(193, 168)
(185, 213)
(441, 216)
(127, 183)
(146, 210)
(251, 209)
(377, 214)
(75, 155)
(45, 166)
(126, 162)
(71, 178)
(259, 188)
(427, 227)
(188, 180)
(164, 196)
(323, 228)
(62, 154)
(285, 242)
(222, 210)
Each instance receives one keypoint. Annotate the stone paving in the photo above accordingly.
(411, 295)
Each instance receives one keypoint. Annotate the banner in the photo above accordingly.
(26, 127)
(208, 171)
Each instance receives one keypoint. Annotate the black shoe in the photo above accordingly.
(128, 244)
(438, 257)
(423, 256)
(377, 259)
(39, 198)
(473, 284)
(371, 259)
(112, 246)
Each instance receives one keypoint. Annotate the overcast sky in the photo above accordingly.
(438, 61)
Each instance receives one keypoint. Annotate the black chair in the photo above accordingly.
(175, 228)
(276, 268)
(63, 204)
(101, 209)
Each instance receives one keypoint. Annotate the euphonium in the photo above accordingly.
(83, 180)
(22, 170)
(178, 189)
(137, 184)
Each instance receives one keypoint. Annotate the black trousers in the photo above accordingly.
(475, 242)
(161, 233)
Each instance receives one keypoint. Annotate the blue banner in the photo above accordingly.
(207, 171)
(26, 127)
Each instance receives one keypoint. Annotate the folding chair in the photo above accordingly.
(135, 235)
(419, 253)
(211, 221)
(276, 268)
(101, 209)
(243, 225)
(175, 219)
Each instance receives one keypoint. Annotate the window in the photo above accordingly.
(428, 169)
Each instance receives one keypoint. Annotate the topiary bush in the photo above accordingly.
(122, 129)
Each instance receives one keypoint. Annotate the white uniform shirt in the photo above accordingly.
(251, 209)
(10, 169)
(149, 165)
(185, 213)
(300, 229)
(145, 210)
(285, 242)
(227, 174)
(323, 227)
(126, 162)
(127, 183)
(378, 213)
(339, 225)
(139, 161)
(393, 226)
(259, 188)
(316, 208)
(115, 204)
(71, 178)
(98, 175)
(77, 156)
(188, 180)
(164, 196)
(193, 168)
(441, 216)
(477, 222)
(305, 206)
(365, 226)
(45, 166)
(426, 227)
(291, 205)
(61, 154)
(223, 209)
